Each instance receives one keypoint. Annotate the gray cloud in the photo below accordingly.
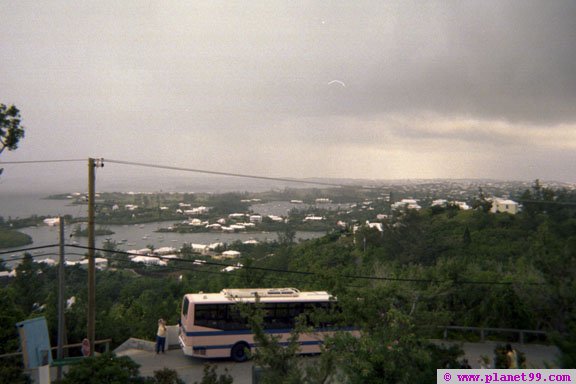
(235, 82)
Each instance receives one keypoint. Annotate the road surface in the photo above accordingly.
(191, 369)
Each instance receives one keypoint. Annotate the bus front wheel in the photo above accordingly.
(239, 352)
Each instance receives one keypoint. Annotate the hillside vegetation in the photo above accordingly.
(436, 267)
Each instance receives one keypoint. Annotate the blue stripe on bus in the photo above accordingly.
(229, 346)
(248, 331)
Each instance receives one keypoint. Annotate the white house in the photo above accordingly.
(231, 254)
(255, 218)
(165, 251)
(199, 248)
(196, 211)
(143, 251)
(276, 219)
(313, 218)
(462, 205)
(52, 221)
(378, 226)
(99, 262)
(232, 268)
(407, 204)
(504, 205)
(47, 261)
(149, 260)
(197, 223)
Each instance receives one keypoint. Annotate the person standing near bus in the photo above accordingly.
(161, 336)
(511, 357)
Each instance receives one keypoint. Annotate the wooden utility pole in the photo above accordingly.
(91, 263)
(61, 298)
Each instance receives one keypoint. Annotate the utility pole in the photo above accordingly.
(61, 297)
(92, 164)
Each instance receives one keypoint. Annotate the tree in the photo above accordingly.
(210, 376)
(27, 284)
(278, 357)
(389, 351)
(106, 368)
(287, 235)
(166, 376)
(10, 129)
(11, 369)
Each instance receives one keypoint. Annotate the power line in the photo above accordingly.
(29, 249)
(225, 173)
(307, 273)
(286, 271)
(42, 161)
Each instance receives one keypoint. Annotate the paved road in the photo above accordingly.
(191, 369)
(537, 356)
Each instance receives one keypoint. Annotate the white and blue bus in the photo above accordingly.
(212, 325)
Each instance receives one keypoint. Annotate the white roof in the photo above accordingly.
(149, 260)
(47, 261)
(502, 201)
(231, 253)
(165, 250)
(224, 297)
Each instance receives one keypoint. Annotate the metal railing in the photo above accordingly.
(106, 343)
(485, 330)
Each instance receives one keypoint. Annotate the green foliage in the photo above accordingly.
(566, 343)
(433, 267)
(11, 372)
(389, 351)
(106, 368)
(277, 356)
(211, 377)
(10, 238)
(166, 376)
(11, 132)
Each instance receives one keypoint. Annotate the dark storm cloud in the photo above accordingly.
(297, 88)
(494, 60)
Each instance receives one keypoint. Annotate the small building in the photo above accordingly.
(199, 248)
(52, 221)
(149, 260)
(276, 219)
(215, 246)
(313, 218)
(165, 251)
(407, 204)
(232, 268)
(214, 227)
(256, 218)
(231, 254)
(504, 206)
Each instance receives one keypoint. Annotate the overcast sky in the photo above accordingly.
(353, 89)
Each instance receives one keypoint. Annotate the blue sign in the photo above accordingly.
(35, 342)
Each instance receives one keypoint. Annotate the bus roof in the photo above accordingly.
(266, 295)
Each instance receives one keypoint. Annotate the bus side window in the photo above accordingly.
(234, 319)
(206, 315)
(269, 315)
(282, 316)
(185, 307)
